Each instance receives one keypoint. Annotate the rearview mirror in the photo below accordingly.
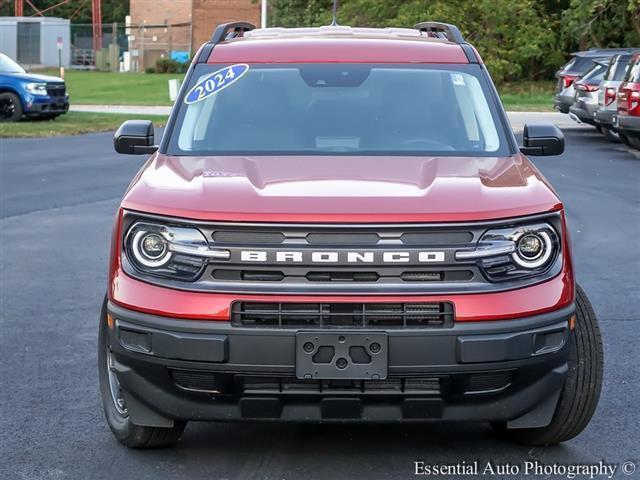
(542, 139)
(135, 137)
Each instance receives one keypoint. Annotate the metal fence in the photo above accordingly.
(52, 42)
(82, 52)
(138, 46)
(149, 43)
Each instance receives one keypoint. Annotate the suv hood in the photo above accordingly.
(340, 188)
(34, 77)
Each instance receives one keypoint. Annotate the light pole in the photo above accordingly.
(263, 14)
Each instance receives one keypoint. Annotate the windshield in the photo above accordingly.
(9, 66)
(578, 65)
(348, 109)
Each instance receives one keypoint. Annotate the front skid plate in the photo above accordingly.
(342, 355)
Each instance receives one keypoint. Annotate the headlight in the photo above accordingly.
(37, 88)
(533, 249)
(520, 251)
(150, 249)
(168, 251)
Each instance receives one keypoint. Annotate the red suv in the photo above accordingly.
(627, 121)
(339, 226)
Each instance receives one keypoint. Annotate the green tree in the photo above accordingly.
(516, 38)
(512, 36)
(602, 23)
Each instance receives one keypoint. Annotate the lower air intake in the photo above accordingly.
(335, 315)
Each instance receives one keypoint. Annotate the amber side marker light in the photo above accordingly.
(110, 321)
(572, 322)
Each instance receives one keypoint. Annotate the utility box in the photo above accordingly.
(36, 41)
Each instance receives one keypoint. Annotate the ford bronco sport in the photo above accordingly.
(339, 226)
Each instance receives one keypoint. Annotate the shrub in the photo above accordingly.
(168, 65)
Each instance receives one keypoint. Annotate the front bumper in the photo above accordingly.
(45, 105)
(177, 369)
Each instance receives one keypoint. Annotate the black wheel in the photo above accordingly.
(634, 142)
(115, 408)
(624, 139)
(10, 107)
(610, 135)
(581, 391)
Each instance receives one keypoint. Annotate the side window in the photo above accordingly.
(612, 67)
(635, 71)
(622, 65)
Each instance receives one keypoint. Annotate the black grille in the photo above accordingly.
(343, 238)
(335, 315)
(262, 275)
(247, 237)
(411, 259)
(195, 380)
(342, 276)
(489, 381)
(56, 89)
(437, 238)
(292, 386)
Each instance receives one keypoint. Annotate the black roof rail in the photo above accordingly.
(224, 30)
(451, 32)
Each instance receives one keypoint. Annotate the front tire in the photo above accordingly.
(581, 391)
(115, 411)
(10, 107)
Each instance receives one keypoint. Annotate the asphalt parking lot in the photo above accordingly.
(58, 198)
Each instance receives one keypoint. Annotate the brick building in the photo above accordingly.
(165, 28)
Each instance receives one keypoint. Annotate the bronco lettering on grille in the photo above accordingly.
(328, 256)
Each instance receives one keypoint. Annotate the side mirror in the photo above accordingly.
(135, 137)
(542, 139)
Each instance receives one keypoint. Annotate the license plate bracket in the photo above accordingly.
(342, 355)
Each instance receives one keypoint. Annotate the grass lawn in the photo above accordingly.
(106, 88)
(72, 123)
(528, 96)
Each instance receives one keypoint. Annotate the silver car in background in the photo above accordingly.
(607, 94)
(575, 68)
(585, 100)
